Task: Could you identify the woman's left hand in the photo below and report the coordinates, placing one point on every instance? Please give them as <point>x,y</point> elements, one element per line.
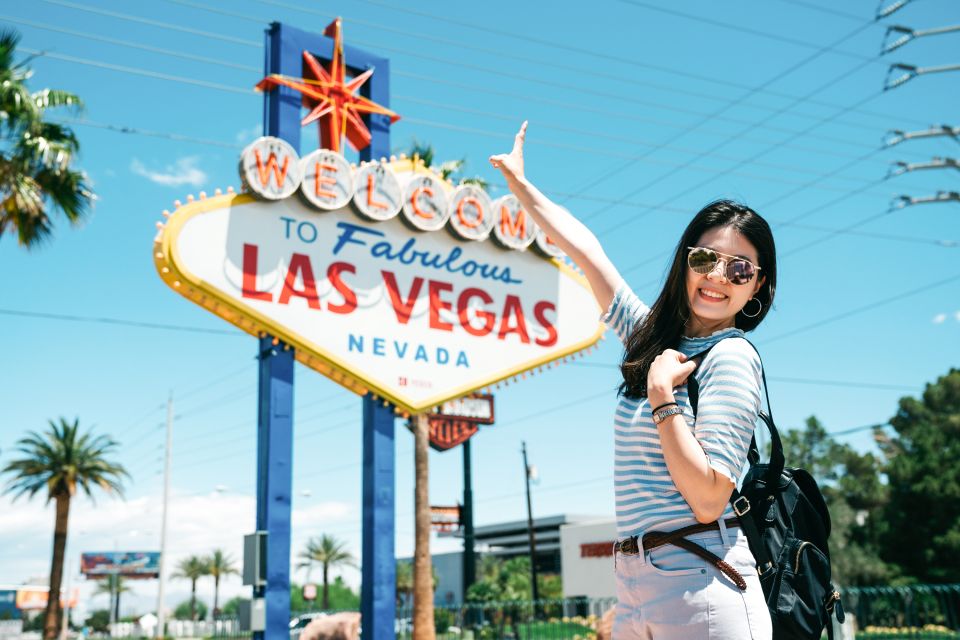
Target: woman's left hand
<point>669,369</point>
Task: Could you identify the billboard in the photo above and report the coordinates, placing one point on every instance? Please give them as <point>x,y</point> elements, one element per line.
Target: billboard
<point>35,598</point>
<point>383,277</point>
<point>129,564</point>
<point>8,604</point>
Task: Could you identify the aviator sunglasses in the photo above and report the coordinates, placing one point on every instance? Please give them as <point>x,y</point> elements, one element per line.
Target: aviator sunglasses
<point>737,270</point>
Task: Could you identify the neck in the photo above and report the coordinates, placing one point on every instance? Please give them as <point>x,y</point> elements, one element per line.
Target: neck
<point>697,328</point>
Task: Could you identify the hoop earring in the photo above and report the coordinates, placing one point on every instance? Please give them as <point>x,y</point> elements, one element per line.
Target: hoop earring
<point>759,308</point>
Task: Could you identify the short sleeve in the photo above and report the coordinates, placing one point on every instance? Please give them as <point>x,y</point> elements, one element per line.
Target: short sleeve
<point>729,404</point>
<point>624,312</point>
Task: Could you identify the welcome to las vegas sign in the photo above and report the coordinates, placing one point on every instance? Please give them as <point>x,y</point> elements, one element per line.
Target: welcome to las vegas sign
<point>383,277</point>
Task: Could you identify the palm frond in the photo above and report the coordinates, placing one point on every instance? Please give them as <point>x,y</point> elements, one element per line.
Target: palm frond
<point>62,459</point>
<point>52,98</point>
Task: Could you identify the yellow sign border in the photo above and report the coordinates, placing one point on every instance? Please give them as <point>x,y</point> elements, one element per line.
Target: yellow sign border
<point>167,261</point>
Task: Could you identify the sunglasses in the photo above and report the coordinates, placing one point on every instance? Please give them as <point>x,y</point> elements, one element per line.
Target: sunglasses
<point>737,270</point>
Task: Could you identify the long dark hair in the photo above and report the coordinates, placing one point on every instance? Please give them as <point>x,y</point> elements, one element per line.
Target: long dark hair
<point>663,326</point>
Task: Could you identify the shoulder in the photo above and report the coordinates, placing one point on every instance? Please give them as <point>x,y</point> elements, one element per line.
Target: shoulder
<point>734,352</point>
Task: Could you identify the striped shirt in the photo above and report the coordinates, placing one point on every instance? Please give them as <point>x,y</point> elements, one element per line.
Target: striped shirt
<point>729,402</point>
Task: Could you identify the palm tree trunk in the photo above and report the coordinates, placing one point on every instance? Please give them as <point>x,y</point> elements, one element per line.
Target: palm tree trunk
<point>423,626</point>
<point>116,602</point>
<point>326,589</point>
<point>52,622</point>
<point>193,599</point>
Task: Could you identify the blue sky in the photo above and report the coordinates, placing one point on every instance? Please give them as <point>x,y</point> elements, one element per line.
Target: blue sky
<point>639,114</point>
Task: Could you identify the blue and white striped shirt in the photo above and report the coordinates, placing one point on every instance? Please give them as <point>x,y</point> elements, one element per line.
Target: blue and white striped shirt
<point>729,378</point>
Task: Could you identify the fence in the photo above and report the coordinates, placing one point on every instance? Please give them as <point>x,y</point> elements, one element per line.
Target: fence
<point>927,612</point>
<point>931,612</point>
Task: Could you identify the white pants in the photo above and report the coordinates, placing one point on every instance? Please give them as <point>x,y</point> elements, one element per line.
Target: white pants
<point>668,593</point>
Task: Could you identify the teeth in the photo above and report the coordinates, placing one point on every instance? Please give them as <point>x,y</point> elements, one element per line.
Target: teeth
<point>712,294</point>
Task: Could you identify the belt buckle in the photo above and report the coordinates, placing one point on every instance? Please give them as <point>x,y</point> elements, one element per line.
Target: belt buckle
<point>628,546</point>
<point>741,510</point>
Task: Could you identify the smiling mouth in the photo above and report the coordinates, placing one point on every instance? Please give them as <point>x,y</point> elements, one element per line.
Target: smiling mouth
<point>710,295</point>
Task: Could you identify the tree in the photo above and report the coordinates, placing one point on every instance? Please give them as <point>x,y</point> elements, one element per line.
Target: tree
<point>423,620</point>
<point>404,575</point>
<point>191,609</point>
<point>99,621</point>
<point>220,564</point>
<point>113,586</point>
<point>342,597</point>
<point>193,568</point>
<point>330,553</point>
<point>36,155</point>
<point>59,462</point>
<point>922,517</point>
<point>232,606</point>
<point>448,170</point>
<point>854,492</point>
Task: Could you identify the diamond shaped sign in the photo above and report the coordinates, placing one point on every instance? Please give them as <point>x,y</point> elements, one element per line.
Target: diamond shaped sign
<point>363,294</point>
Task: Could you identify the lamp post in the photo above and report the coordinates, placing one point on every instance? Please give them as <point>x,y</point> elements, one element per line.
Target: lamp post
<point>533,538</point>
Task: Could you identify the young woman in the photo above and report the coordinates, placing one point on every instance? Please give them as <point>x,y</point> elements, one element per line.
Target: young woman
<point>673,472</point>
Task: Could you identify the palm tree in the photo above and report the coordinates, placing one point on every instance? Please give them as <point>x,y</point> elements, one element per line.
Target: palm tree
<point>448,170</point>
<point>35,154</point>
<point>330,553</point>
<point>113,586</point>
<point>220,565</point>
<point>58,462</point>
<point>193,568</point>
<point>423,624</point>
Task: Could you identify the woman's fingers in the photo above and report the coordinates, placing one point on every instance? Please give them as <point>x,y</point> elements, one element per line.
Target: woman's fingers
<point>519,138</point>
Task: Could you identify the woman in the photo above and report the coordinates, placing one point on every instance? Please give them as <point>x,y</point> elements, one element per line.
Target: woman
<point>675,471</point>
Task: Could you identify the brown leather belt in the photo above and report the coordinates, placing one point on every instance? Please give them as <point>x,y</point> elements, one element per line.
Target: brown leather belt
<point>678,538</point>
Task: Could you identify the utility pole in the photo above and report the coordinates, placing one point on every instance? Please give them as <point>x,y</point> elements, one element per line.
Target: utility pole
<point>469,555</point>
<point>161,618</point>
<point>533,537</point>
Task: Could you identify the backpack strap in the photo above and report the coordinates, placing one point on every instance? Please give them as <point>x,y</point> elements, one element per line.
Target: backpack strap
<point>741,506</point>
<point>753,454</point>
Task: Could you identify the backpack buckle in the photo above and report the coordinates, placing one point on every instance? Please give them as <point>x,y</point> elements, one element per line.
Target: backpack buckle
<point>738,508</point>
<point>767,568</point>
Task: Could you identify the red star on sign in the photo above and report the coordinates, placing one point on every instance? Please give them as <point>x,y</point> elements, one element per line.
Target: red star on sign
<point>333,101</point>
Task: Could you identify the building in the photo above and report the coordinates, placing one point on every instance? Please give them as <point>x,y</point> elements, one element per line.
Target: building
<point>578,548</point>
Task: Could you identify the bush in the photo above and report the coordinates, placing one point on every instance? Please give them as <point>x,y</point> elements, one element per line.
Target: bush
<point>442,619</point>
<point>99,620</point>
<point>182,612</point>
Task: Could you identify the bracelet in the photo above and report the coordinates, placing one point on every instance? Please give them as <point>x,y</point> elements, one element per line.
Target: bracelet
<point>663,414</point>
<point>665,404</point>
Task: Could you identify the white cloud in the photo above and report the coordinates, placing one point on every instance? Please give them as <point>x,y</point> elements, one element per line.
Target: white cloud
<point>939,318</point>
<point>183,171</point>
<point>249,134</point>
<point>196,524</point>
<point>956,314</point>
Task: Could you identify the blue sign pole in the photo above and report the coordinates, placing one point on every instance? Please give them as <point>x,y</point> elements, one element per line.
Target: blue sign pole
<point>378,606</point>
<point>274,480</point>
<point>284,55</point>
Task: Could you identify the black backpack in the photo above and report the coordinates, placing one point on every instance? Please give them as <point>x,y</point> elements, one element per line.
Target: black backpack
<point>786,521</point>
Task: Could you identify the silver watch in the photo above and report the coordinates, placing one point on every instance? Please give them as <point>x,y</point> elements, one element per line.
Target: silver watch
<point>662,414</point>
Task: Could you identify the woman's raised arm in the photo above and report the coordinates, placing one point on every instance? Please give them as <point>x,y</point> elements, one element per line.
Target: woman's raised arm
<point>571,235</point>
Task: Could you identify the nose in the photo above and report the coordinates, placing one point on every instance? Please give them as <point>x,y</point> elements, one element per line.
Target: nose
<point>719,271</point>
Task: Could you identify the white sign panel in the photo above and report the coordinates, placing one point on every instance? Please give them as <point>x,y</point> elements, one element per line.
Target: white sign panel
<point>417,317</point>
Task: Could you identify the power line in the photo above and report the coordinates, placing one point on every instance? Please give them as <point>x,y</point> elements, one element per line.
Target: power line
<point>154,23</point>
<point>139,72</point>
<point>743,97</point>
<point>117,321</point>
<point>674,197</point>
<point>809,381</point>
<point>592,150</point>
<point>748,30</point>
<point>868,307</point>
<point>221,87</point>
